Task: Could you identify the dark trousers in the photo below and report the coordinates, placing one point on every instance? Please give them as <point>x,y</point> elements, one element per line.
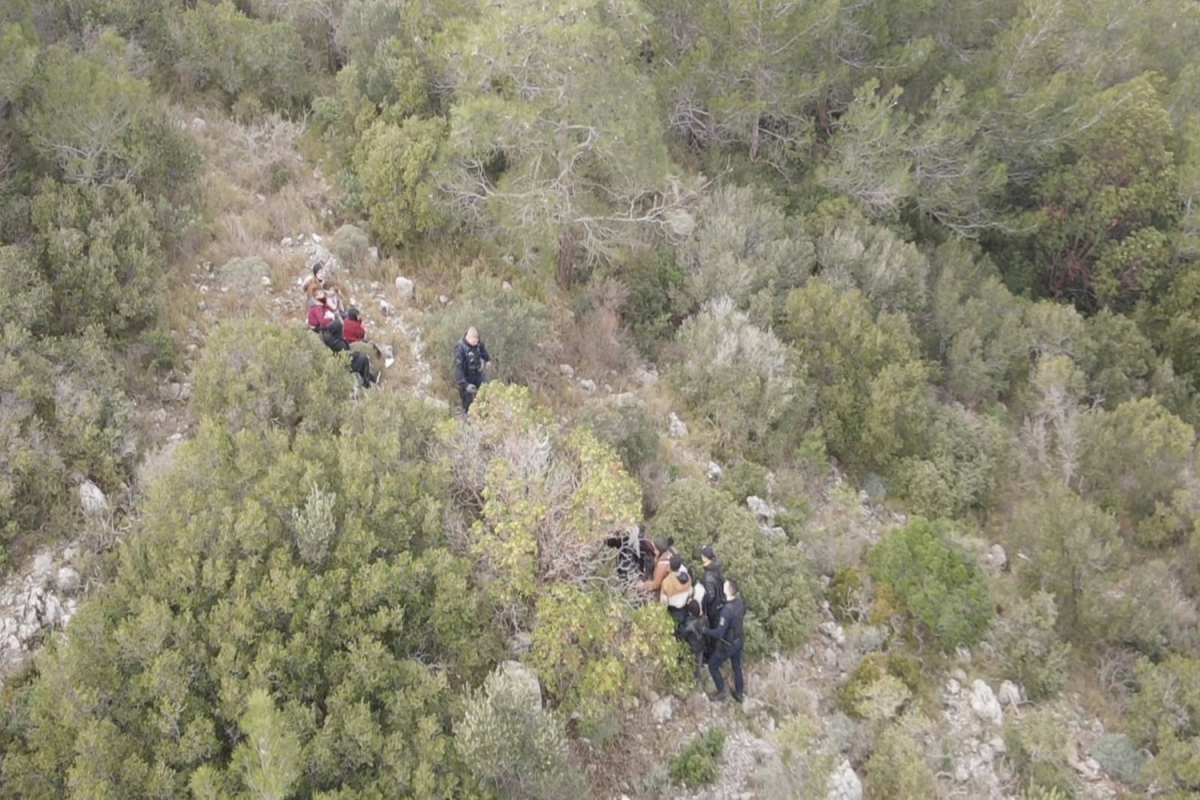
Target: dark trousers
<point>734,657</point>
<point>469,397</point>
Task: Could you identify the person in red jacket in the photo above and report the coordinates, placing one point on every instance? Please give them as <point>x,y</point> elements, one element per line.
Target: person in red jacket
<point>321,318</point>
<point>352,329</point>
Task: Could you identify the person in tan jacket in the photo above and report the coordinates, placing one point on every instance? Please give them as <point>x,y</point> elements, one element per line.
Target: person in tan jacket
<point>662,565</point>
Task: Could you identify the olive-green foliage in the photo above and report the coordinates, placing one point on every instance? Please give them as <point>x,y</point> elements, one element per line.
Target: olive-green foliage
<point>939,584</point>
<point>212,602</point>
<point>350,245</point>
<point>394,167</point>
<point>97,250</point>
<point>217,49</point>
<point>891,273</point>
<point>1135,457</point>
<point>627,429</point>
<point>743,479</point>
<point>513,745</point>
<point>257,375</point>
<point>63,416</point>
<point>745,248</point>
<point>897,767</point>
<point>1104,212</point>
<point>868,377</point>
<point>1117,756</point>
<point>656,302</point>
<point>1074,552</point>
<point>847,594</point>
<point>1038,748</point>
<point>1164,715</point>
<point>1028,646</point>
<point>879,686</point>
<point>772,575</point>
<point>740,379</point>
<point>510,324</point>
<point>1119,360</point>
<point>696,764</point>
<point>962,459</point>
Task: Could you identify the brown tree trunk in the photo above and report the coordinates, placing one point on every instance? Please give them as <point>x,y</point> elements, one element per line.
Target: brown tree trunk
<point>566,257</point>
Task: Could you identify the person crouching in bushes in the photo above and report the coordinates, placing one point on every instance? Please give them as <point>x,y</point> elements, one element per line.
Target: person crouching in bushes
<point>352,328</point>
<point>327,323</point>
<point>662,565</point>
<point>678,592</point>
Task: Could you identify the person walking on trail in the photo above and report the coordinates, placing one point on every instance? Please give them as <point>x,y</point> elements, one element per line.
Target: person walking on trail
<point>471,358</point>
<point>713,581</point>
<point>727,634</point>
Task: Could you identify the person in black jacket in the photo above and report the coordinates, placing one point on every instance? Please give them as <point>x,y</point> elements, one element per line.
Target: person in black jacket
<point>471,358</point>
<point>727,633</point>
<point>713,581</point>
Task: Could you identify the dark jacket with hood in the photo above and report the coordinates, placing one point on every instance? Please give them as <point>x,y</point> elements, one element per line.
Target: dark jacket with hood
<point>468,362</point>
<point>714,589</point>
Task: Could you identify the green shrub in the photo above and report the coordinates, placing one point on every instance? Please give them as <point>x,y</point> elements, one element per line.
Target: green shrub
<point>510,324</point>
<point>257,375</point>
<point>743,479</point>
<point>1164,715</point>
<point>939,584</point>
<point>879,686</point>
<point>350,245</point>
<point>1118,757</point>
<point>513,745</point>
<point>654,306</point>
<point>897,768</point>
<point>1038,747</point>
<point>745,385</point>
<point>847,595</point>
<point>696,764</point>
<point>627,429</point>
<point>1028,646</point>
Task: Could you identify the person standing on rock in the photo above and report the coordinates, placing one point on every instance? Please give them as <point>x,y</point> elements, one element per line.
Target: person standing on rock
<point>471,358</point>
<point>728,638</point>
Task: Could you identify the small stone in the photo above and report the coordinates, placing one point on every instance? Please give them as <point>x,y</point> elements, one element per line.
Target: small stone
<point>958,675</point>
<point>998,746</point>
<point>374,252</point>
<point>714,471</point>
<point>42,563</point>
<point>962,654</point>
<point>676,428</point>
<point>51,611</point>
<point>265,281</point>
<point>844,783</point>
<point>92,499</point>
<point>588,385</point>
<point>520,643</point>
<point>198,124</point>
<point>505,286</point>
<point>961,773</point>
<point>443,299</point>
<point>386,308</point>
<point>175,437</point>
<point>202,306</point>
<point>984,703</point>
<point>953,687</point>
<point>567,370</point>
<point>1009,694</point>
<point>833,632</point>
<point>316,238</point>
<point>996,559</point>
<point>607,388</point>
<point>663,710</point>
<point>752,705</point>
<point>1097,727</point>
<point>159,417</point>
<point>185,391</point>
<point>761,508</point>
<point>985,754</point>
<point>67,580</point>
<point>645,378</point>
<point>405,287</point>
<point>286,242</point>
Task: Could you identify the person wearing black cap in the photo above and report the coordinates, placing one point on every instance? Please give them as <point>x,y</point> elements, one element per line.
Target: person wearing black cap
<point>726,632</point>
<point>712,580</point>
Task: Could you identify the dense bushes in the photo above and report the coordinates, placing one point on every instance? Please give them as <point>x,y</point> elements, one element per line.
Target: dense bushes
<point>940,585</point>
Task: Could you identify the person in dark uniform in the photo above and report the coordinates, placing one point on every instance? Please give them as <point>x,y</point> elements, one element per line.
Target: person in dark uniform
<point>726,633</point>
<point>471,358</point>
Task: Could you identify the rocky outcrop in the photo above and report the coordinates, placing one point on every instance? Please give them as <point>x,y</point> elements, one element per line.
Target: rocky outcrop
<point>33,604</point>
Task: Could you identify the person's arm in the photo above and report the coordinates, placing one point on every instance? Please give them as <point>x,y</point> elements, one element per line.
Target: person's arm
<point>718,631</point>
<point>460,368</point>
<point>483,354</point>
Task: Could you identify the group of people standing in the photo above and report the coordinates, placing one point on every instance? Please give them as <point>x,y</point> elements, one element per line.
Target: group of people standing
<point>707,609</point>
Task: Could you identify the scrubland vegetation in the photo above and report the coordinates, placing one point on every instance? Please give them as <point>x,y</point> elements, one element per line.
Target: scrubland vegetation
<point>934,259</point>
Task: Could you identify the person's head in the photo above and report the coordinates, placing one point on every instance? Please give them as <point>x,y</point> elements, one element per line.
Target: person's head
<point>731,588</point>
<point>682,576</point>
<point>662,544</point>
<point>707,556</point>
<point>319,271</point>
<point>472,336</point>
<point>352,313</point>
<point>320,296</point>
<point>676,563</point>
